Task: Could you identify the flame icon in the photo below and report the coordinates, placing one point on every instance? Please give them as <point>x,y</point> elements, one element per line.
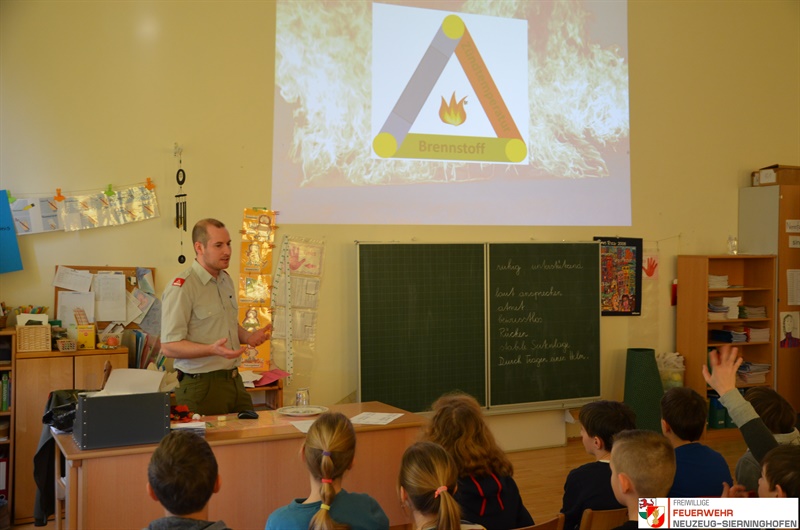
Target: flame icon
<point>454,113</point>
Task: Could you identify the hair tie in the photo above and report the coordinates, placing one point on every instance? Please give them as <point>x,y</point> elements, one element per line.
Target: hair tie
<point>324,506</point>
<point>439,491</point>
<point>327,481</point>
<point>326,453</point>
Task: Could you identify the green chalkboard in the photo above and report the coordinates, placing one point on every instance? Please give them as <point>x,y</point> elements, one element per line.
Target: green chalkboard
<point>544,322</point>
<point>422,323</point>
<point>512,324</point>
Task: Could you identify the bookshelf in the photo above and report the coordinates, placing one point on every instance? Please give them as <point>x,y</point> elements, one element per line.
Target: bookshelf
<point>7,361</point>
<point>750,277</point>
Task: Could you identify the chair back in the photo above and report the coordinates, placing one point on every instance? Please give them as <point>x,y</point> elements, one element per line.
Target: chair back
<point>603,519</point>
<point>556,523</point>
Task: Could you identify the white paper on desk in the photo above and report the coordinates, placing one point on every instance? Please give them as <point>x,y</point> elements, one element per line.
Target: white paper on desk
<point>109,297</point>
<point>24,318</point>
<point>375,418</point>
<point>131,381</point>
<point>302,425</point>
<point>69,301</point>
<point>72,279</point>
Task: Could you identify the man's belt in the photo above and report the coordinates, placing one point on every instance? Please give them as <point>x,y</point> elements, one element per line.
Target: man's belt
<point>216,374</point>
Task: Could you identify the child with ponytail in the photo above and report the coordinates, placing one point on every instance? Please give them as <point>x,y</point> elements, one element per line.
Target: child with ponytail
<point>328,453</point>
<point>428,480</point>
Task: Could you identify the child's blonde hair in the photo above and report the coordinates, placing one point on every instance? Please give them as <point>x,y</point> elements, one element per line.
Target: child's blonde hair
<point>429,477</point>
<point>329,449</point>
<point>647,458</point>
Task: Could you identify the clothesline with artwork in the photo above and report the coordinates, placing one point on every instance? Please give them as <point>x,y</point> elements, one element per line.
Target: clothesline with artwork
<point>109,207</point>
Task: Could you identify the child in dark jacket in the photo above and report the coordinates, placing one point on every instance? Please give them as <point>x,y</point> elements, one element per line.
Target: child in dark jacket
<point>589,486</point>
<point>486,490</point>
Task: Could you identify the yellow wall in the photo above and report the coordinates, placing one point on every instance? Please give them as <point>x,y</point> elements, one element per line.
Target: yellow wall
<point>97,93</point>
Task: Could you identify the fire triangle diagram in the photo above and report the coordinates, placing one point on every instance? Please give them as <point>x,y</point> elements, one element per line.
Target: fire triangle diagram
<point>394,140</point>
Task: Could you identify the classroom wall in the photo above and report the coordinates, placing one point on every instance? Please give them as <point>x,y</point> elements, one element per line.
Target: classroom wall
<point>97,93</point>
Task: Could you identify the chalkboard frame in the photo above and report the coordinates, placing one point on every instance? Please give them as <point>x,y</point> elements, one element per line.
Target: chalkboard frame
<point>492,401</point>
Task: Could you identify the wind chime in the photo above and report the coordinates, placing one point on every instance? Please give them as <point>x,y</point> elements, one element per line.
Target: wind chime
<point>180,199</point>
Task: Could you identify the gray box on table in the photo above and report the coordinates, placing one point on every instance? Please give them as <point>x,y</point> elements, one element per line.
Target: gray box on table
<point>114,421</point>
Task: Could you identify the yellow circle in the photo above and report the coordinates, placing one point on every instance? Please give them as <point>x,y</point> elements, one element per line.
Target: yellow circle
<point>385,145</point>
<point>453,27</point>
<point>516,150</point>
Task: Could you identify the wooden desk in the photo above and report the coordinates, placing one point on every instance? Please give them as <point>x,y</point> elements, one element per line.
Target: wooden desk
<point>259,465</point>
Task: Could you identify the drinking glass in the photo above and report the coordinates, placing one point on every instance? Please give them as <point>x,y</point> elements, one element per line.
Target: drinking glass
<point>301,398</point>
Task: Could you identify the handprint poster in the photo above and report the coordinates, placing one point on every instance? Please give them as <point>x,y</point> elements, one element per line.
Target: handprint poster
<point>621,276</point>
<point>305,257</point>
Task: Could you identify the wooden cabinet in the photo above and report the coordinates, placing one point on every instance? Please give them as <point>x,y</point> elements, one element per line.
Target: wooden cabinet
<point>7,362</point>
<point>38,373</point>
<point>769,223</point>
<point>752,278</point>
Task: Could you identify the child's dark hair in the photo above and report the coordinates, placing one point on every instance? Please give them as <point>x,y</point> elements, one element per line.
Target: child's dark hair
<point>777,414</point>
<point>604,419</point>
<point>782,468</point>
<point>182,472</point>
<point>686,413</point>
<point>329,450</point>
<point>429,476</point>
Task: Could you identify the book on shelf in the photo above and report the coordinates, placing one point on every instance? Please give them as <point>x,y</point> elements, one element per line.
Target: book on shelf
<point>726,335</point>
<point>753,372</point>
<point>717,281</point>
<point>4,393</point>
<point>754,377</point>
<point>751,334</point>
<point>749,311</point>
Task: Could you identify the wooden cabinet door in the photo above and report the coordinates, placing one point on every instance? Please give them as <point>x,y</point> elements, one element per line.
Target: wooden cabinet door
<point>33,379</point>
<point>89,368</point>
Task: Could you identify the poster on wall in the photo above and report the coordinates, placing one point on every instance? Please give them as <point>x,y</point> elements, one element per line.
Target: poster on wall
<point>10,260</point>
<point>621,276</point>
<point>789,323</point>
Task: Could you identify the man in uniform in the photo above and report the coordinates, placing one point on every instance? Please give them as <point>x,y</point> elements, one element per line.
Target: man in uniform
<point>200,329</point>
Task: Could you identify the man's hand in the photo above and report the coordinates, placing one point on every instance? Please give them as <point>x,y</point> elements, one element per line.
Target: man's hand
<point>260,336</point>
<point>219,348</point>
<point>724,361</point>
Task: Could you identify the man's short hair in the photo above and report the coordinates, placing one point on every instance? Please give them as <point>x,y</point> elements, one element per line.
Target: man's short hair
<point>604,419</point>
<point>782,468</point>
<point>200,230</point>
<point>777,413</point>
<point>183,472</point>
<point>685,411</point>
<point>647,458</point>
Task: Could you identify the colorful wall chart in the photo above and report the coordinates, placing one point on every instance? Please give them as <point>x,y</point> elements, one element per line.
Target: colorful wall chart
<point>258,234</point>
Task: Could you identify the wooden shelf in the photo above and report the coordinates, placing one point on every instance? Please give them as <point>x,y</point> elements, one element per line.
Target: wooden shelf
<point>749,274</point>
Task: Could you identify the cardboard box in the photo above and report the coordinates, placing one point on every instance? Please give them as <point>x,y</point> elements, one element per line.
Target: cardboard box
<point>776,174</point>
<point>86,337</point>
<point>114,421</point>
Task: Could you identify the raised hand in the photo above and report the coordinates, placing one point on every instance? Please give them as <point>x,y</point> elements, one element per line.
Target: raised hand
<point>723,363</point>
